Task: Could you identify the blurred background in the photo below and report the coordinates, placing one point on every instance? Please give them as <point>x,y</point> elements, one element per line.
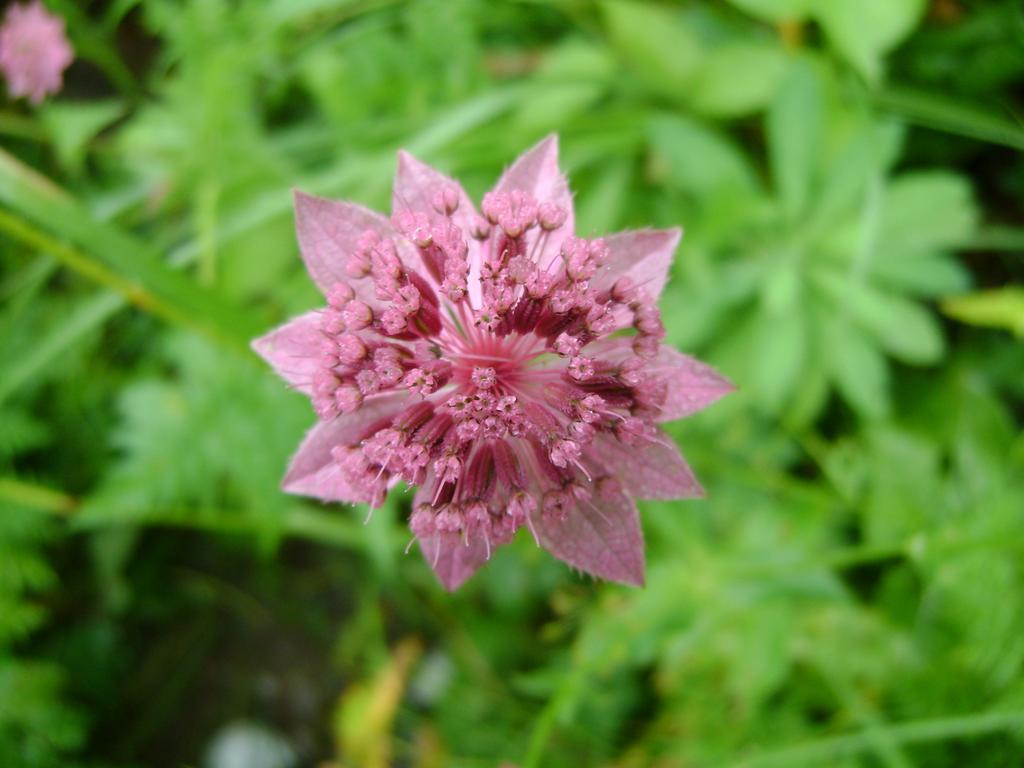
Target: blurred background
<point>849,594</point>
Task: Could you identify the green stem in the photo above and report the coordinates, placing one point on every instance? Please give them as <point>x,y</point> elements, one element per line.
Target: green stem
<point>34,496</point>
<point>21,127</point>
<point>48,217</point>
<point>951,115</point>
<point>996,239</point>
<point>545,722</point>
<point>91,269</point>
<point>831,750</point>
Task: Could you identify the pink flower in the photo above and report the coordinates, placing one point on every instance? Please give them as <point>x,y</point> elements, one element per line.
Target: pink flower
<point>34,51</point>
<point>511,371</point>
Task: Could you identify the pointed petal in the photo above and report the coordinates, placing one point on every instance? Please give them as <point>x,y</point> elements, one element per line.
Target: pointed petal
<point>328,232</point>
<point>655,470</point>
<point>313,472</point>
<point>452,559</point>
<point>293,349</point>
<point>691,384</point>
<point>601,537</point>
<point>643,255</point>
<point>536,171</point>
<point>416,184</point>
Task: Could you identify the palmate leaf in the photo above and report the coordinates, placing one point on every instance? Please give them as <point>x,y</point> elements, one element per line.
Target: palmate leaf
<point>859,245</point>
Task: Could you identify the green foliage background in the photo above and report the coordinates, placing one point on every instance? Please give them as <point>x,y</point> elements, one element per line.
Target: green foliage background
<point>851,593</point>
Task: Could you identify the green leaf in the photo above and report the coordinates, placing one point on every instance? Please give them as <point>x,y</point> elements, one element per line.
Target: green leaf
<point>73,125</point>
<point>858,369</point>
<point>925,276</point>
<point>779,356</point>
<point>903,328</point>
<point>863,30</point>
<point>869,151</point>
<point>794,128</point>
<point>774,10</point>
<point>926,211</point>
<point>700,160</point>
<point>998,308</point>
<point>737,79</point>
<point>655,42</point>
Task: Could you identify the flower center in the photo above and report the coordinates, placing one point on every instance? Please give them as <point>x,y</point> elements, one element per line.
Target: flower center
<point>501,363</point>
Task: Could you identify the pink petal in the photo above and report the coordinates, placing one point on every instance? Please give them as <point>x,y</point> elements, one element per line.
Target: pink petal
<point>601,536</point>
<point>536,171</point>
<point>293,350</point>
<point>452,559</point>
<point>644,256</point>
<point>313,472</point>
<point>692,385</point>
<point>654,470</point>
<point>328,232</point>
<point>416,184</point>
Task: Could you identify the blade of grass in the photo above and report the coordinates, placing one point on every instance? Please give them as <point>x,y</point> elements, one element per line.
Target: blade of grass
<point>950,115</point>
<point>112,257</point>
<point>15,491</point>
<point>828,751</point>
<point>87,316</point>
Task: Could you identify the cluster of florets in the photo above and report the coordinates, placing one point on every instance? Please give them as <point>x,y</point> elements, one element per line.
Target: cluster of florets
<point>34,51</point>
<point>470,435</point>
<point>509,369</point>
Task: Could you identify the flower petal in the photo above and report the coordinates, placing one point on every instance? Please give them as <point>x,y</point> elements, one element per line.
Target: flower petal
<point>643,255</point>
<point>293,350</point>
<point>452,559</point>
<point>313,472</point>
<point>328,233</point>
<point>691,384</point>
<point>416,184</point>
<point>654,470</point>
<point>536,171</point>
<point>601,536</point>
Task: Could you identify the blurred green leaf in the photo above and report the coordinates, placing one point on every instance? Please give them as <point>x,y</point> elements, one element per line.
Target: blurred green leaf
<point>700,160</point>
<point>862,30</point>
<point>775,10</point>
<point>73,126</point>
<point>903,328</point>
<point>997,308</point>
<point>780,356</point>
<point>655,42</point>
<point>737,79</point>
<point>794,128</point>
<point>926,211</point>
<point>858,369</point>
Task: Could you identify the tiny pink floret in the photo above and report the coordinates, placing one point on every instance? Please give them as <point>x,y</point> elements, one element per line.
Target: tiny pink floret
<point>34,51</point>
<point>512,372</point>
